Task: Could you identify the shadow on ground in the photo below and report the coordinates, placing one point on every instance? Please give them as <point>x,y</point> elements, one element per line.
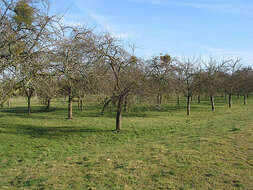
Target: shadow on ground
<point>47,132</point>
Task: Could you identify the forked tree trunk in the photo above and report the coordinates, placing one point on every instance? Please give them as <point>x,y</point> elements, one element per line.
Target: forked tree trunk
<point>245,99</point>
<point>188,104</point>
<point>29,104</point>
<point>119,114</point>
<point>70,107</point>
<point>107,102</point>
<point>230,100</point>
<point>212,102</point>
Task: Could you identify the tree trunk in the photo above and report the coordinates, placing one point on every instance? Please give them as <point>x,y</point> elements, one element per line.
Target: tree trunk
<point>107,102</point>
<point>245,99</point>
<point>212,102</point>
<point>178,100</point>
<point>81,105</point>
<point>158,99</point>
<point>119,114</point>
<point>188,104</point>
<point>125,105</point>
<point>48,103</point>
<point>9,103</point>
<point>238,96</point>
<point>230,100</point>
<point>78,102</point>
<point>198,99</point>
<point>29,105</point>
<point>70,107</point>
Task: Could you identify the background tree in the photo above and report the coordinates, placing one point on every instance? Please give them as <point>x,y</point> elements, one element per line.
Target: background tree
<point>231,82</point>
<point>160,70</point>
<point>212,78</point>
<point>73,52</point>
<point>245,78</point>
<point>47,89</point>
<point>185,71</point>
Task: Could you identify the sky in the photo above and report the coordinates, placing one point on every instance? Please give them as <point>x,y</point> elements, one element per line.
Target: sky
<point>180,28</point>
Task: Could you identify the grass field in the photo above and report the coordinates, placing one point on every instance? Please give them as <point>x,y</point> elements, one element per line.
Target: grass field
<point>157,149</point>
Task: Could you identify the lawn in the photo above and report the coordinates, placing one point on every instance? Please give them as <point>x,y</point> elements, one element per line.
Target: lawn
<point>156,149</point>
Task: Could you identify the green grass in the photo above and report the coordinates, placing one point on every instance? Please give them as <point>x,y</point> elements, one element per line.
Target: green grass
<point>157,149</point>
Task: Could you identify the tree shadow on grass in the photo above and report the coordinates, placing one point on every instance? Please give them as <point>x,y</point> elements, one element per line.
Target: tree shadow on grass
<point>94,111</point>
<point>35,109</point>
<point>48,132</point>
<point>38,112</point>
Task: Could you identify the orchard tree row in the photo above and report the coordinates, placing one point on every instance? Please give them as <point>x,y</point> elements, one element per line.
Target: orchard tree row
<point>41,55</point>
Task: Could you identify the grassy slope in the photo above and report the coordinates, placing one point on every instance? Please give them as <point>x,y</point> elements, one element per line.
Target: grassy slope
<point>156,149</point>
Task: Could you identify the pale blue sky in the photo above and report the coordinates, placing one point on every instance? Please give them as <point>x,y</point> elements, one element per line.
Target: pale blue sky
<point>222,28</point>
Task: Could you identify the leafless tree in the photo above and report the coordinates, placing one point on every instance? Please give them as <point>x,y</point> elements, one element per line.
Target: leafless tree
<point>123,73</point>
<point>73,53</point>
<point>185,70</point>
<point>231,82</point>
<point>213,78</point>
<point>159,75</point>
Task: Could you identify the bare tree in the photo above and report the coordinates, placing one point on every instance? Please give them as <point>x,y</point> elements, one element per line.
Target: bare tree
<point>73,52</point>
<point>231,82</point>
<point>185,71</point>
<point>123,73</point>
<point>213,78</point>
<point>159,75</point>
<point>245,78</point>
<point>47,89</point>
